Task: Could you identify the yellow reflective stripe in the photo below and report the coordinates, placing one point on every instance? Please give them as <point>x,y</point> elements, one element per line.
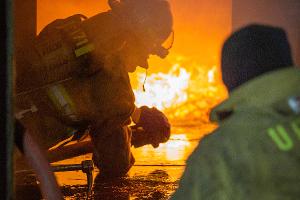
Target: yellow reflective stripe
<point>61,99</point>
<point>280,136</point>
<point>59,95</point>
<point>53,98</point>
<point>82,42</point>
<point>81,35</point>
<point>84,49</point>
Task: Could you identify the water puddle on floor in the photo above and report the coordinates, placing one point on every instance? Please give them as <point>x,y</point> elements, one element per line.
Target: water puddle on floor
<point>155,174</point>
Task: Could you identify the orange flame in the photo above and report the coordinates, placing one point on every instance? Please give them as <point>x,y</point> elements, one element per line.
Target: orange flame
<point>183,92</point>
<point>164,90</point>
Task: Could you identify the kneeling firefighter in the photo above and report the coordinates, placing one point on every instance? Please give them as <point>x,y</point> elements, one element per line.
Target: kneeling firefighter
<point>75,78</point>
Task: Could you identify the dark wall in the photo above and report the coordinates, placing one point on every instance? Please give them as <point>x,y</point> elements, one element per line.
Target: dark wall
<point>17,25</point>
<point>25,21</point>
<point>283,13</point>
<point>6,133</point>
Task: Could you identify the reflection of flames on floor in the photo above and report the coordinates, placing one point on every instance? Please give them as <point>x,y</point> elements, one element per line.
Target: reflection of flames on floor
<point>183,94</point>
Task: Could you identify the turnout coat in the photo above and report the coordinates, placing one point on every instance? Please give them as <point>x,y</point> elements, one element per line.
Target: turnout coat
<point>254,154</point>
<point>54,107</point>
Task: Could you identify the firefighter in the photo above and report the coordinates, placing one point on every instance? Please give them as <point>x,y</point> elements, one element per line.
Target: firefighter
<point>75,78</point>
<point>254,152</point>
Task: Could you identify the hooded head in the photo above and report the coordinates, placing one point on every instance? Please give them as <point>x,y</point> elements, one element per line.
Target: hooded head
<point>149,23</point>
<point>254,50</point>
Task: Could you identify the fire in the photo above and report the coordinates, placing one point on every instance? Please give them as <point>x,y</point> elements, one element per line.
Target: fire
<point>164,90</point>
<point>187,89</point>
<point>182,92</point>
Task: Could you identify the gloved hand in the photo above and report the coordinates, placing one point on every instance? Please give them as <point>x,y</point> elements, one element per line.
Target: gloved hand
<point>153,128</point>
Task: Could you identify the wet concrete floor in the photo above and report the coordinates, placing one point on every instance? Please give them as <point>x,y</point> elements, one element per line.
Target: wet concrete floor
<point>155,174</point>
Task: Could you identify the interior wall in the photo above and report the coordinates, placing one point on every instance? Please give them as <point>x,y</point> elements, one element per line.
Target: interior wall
<point>25,24</point>
<point>282,13</point>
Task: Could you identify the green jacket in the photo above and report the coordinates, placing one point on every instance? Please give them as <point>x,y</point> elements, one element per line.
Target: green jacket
<point>255,152</point>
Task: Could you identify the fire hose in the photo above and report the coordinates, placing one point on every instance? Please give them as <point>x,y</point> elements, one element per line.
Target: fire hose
<point>39,163</point>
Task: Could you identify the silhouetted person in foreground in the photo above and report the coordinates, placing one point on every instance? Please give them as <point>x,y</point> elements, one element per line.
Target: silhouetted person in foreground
<point>36,158</point>
<point>254,154</point>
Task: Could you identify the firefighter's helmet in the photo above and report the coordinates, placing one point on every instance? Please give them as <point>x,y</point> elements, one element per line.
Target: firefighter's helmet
<point>151,20</point>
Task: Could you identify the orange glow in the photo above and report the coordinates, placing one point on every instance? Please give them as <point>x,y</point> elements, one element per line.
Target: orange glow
<point>164,90</point>
<point>187,83</point>
<point>176,149</point>
<point>187,91</point>
<point>49,10</point>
